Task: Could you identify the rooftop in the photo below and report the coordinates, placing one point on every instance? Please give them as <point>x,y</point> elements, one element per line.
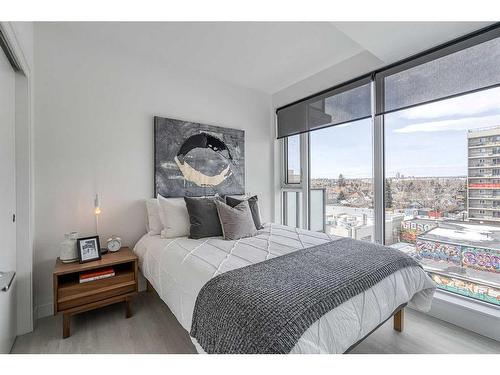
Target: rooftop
<point>475,130</point>
<point>424,221</point>
<point>483,132</point>
<point>465,233</point>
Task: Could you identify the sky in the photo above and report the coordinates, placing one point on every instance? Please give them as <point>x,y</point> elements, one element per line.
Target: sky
<point>428,140</point>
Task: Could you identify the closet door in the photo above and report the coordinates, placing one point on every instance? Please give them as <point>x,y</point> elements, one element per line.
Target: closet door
<point>7,203</point>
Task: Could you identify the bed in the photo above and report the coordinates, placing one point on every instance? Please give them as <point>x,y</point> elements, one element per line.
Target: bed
<point>178,268</point>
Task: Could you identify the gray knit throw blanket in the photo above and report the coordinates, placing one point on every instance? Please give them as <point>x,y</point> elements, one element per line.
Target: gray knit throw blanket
<point>267,306</point>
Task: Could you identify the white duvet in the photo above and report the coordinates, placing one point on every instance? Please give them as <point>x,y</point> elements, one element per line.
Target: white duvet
<point>179,267</point>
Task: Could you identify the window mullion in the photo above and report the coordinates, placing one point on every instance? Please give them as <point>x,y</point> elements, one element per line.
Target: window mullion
<point>304,173</point>
<point>378,169</point>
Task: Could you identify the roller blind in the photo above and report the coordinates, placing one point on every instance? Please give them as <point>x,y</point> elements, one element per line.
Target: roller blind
<point>459,68</point>
<point>346,103</point>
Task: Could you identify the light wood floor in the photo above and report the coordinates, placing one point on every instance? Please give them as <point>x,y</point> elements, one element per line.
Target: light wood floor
<point>154,329</point>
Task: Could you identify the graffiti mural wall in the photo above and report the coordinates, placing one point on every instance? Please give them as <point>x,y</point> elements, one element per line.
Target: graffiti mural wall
<point>467,288</point>
<point>481,259</point>
<point>439,251</point>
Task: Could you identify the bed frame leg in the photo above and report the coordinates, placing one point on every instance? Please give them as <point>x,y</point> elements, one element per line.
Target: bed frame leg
<point>149,287</point>
<point>399,318</point>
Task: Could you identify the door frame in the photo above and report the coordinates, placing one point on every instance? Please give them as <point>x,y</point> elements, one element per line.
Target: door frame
<point>24,176</point>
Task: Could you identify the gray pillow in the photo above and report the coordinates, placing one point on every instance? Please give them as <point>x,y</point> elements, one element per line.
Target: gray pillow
<point>203,217</point>
<point>237,221</point>
<point>254,207</point>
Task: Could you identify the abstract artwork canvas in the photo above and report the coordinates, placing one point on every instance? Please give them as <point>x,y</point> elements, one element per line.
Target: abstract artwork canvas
<point>193,159</point>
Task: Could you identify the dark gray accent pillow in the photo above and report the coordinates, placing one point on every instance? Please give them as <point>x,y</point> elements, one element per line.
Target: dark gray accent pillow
<point>254,207</point>
<point>203,217</point>
<point>237,221</point>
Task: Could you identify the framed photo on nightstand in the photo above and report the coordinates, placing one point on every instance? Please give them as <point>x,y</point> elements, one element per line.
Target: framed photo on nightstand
<point>89,249</point>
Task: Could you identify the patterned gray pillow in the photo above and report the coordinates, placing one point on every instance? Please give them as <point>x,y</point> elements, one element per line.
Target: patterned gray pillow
<point>237,221</point>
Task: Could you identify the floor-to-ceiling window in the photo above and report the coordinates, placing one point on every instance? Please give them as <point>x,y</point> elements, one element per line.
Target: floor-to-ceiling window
<point>441,117</point>
<point>443,181</point>
<point>409,157</point>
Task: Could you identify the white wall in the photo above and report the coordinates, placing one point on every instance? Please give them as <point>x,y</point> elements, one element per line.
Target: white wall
<point>94,113</point>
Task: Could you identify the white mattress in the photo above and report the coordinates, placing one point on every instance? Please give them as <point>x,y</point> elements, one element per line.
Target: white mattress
<point>178,268</point>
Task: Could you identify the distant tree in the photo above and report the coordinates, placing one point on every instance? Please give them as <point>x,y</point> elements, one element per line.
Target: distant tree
<point>341,196</point>
<point>388,195</point>
<point>341,180</point>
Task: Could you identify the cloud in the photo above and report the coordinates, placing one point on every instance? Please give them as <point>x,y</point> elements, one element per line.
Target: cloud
<point>466,105</point>
<point>452,125</point>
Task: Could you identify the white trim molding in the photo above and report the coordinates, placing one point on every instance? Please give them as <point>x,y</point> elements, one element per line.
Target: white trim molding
<point>42,311</point>
<point>478,317</point>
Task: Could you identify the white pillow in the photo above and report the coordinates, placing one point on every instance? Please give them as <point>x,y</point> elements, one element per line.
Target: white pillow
<point>155,225</point>
<point>174,217</point>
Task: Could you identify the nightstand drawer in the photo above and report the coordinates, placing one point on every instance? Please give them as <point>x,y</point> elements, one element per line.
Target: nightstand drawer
<point>95,294</point>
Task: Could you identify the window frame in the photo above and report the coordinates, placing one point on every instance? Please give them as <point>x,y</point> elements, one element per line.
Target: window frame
<point>298,210</point>
<point>285,180</point>
<point>302,186</point>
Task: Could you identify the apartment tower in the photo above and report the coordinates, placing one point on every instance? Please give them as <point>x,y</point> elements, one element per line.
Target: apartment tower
<point>483,177</point>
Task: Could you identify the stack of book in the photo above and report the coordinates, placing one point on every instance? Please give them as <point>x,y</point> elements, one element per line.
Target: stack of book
<point>99,274</point>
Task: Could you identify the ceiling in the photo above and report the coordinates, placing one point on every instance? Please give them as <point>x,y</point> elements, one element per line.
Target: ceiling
<point>268,56</point>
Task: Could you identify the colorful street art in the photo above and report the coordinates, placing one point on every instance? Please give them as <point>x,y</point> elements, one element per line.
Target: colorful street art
<point>409,235</point>
<point>410,230</point>
<point>439,251</point>
<point>467,288</point>
<point>481,259</point>
<point>463,256</point>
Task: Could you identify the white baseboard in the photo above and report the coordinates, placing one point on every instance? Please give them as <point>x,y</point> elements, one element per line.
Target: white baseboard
<point>478,317</point>
<point>42,311</point>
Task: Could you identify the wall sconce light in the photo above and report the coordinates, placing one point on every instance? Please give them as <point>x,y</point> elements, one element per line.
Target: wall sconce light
<point>97,212</point>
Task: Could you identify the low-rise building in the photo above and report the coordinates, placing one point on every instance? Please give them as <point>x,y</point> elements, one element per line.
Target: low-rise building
<point>358,223</point>
<point>412,228</point>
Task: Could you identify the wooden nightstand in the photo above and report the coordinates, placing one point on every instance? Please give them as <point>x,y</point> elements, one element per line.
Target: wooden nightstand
<point>71,297</point>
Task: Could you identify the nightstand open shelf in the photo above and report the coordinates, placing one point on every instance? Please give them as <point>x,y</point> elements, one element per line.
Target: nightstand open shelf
<point>72,297</point>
